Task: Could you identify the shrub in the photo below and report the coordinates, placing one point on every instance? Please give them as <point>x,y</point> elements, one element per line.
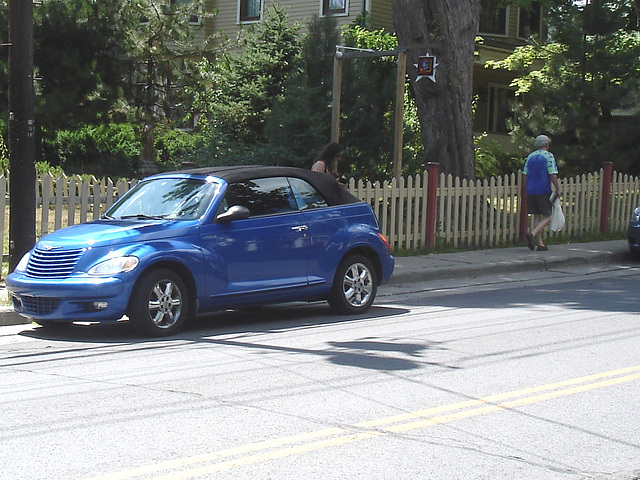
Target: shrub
<point>100,150</point>
<point>176,147</point>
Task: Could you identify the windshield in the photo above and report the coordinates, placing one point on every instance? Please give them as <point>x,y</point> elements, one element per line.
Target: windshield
<point>166,198</point>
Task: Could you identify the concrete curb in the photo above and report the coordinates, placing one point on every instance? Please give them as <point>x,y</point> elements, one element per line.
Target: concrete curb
<point>421,271</point>
<point>9,317</point>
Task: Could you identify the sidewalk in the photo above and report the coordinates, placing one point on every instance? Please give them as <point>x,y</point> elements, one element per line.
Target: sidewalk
<point>469,264</point>
<point>505,260</point>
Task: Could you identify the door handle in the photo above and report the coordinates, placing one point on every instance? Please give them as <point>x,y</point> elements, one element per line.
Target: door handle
<point>300,228</point>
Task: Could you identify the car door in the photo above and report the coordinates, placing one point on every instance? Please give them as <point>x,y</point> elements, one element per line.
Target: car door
<point>323,223</point>
<point>265,256</point>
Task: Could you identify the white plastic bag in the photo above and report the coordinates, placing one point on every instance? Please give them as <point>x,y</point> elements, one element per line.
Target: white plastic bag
<point>557,216</point>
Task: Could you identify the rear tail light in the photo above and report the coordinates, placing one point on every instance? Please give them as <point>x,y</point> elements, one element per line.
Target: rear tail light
<point>385,241</point>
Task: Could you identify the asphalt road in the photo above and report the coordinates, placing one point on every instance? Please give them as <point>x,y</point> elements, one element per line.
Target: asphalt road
<point>525,376</point>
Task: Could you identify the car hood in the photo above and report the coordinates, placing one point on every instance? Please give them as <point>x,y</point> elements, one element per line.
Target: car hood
<point>114,232</point>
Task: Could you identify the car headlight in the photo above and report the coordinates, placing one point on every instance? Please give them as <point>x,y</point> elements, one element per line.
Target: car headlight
<point>115,265</point>
<point>635,216</point>
<point>22,264</point>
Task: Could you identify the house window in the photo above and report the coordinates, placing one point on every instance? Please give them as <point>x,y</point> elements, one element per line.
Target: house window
<point>499,110</point>
<point>493,17</point>
<point>250,10</point>
<point>334,7</point>
<point>529,20</point>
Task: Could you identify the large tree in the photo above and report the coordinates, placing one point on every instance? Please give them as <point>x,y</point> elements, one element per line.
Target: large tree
<point>165,53</point>
<point>80,58</point>
<point>446,29</point>
<point>236,91</point>
<point>577,87</point>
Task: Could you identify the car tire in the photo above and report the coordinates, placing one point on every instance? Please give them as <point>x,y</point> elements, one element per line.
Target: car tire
<point>159,304</point>
<point>354,286</point>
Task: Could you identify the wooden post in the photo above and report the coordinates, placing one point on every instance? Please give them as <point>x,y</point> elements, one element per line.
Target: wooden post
<point>399,115</point>
<point>605,198</point>
<point>522,206</point>
<point>432,199</point>
<point>335,106</point>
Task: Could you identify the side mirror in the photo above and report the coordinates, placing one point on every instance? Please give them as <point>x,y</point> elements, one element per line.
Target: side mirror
<point>236,212</point>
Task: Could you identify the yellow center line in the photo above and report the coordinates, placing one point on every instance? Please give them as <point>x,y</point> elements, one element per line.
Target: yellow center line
<point>321,439</point>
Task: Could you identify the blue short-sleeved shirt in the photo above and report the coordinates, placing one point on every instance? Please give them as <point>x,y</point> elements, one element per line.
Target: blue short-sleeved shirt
<point>538,166</point>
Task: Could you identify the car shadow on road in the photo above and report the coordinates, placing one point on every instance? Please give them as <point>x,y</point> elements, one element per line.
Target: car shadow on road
<point>242,328</point>
<point>248,320</point>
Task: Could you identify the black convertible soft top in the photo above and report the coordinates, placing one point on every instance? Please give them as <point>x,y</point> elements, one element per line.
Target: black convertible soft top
<point>332,191</point>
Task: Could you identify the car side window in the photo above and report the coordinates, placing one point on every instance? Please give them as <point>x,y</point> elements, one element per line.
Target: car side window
<point>307,197</point>
<point>262,196</point>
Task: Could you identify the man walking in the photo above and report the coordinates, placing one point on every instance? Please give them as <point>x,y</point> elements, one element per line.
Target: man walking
<point>539,172</point>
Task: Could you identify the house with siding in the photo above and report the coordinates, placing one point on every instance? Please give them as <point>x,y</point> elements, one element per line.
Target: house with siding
<point>502,27</point>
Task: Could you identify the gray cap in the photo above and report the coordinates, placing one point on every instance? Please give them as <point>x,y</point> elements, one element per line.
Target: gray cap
<point>541,141</point>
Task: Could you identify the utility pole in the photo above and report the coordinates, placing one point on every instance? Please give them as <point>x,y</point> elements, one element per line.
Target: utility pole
<point>22,179</point>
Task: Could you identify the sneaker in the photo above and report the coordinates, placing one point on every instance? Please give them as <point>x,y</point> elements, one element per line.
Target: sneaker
<point>530,241</point>
<point>542,248</point>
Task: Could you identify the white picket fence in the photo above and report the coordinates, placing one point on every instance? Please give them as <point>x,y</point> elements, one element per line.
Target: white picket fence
<point>469,214</point>
<point>486,213</point>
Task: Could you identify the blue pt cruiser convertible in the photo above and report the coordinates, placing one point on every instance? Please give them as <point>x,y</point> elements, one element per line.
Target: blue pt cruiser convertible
<point>189,242</point>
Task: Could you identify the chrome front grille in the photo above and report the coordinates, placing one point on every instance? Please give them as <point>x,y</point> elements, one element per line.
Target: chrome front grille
<point>53,263</point>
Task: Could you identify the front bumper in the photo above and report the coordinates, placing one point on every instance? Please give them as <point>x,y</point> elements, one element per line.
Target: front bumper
<point>79,298</point>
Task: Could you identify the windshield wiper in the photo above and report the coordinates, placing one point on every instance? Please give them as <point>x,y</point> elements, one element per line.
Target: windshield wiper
<point>142,216</point>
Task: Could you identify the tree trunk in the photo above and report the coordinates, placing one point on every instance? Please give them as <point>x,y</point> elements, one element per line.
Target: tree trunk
<point>444,107</point>
<point>148,164</point>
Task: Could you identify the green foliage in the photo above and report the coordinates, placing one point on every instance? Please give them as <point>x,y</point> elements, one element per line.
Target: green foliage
<point>317,57</point>
<point>177,147</point>
<point>300,124</point>
<point>102,150</point>
<point>368,100</point>
<point>492,160</point>
<point>42,168</point>
<point>297,127</point>
<point>413,150</point>
<point>236,93</point>
<point>109,61</point>
<point>300,121</point>
<point>164,55</point>
<point>377,40</point>
<point>573,86</point>
<point>4,153</point>
<point>80,55</point>
<point>368,105</point>
<point>289,124</point>
<point>214,149</point>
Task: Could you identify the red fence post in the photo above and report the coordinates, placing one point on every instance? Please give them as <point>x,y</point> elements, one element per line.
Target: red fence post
<point>605,198</point>
<point>432,199</point>
<point>524,214</point>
